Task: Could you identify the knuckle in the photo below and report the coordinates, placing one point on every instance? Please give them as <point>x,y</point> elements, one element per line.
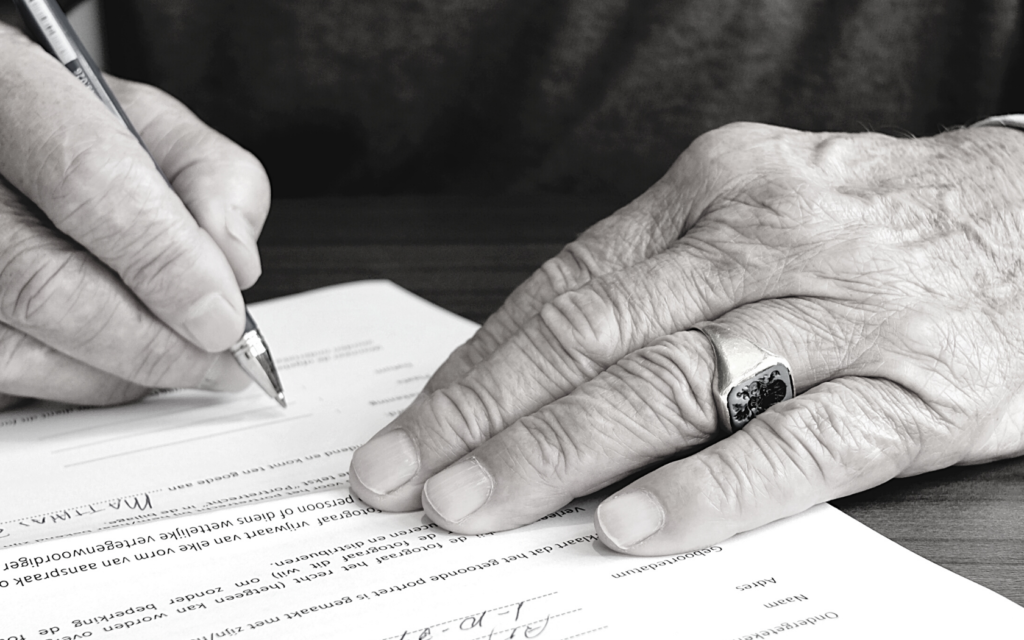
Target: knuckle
<point>832,151</point>
<point>160,360</point>
<point>142,101</point>
<point>43,292</point>
<point>117,391</point>
<point>38,286</point>
<point>725,485</point>
<point>483,343</point>
<point>464,416</point>
<point>838,439</point>
<point>735,135</point>
<point>259,185</point>
<point>27,368</point>
<point>595,254</point>
<point>900,428</point>
<point>115,205</point>
<point>95,175</point>
<point>542,449</point>
<point>153,266</point>
<point>836,153</point>
<point>943,350</point>
<point>806,438</point>
<point>147,97</point>
<point>573,267</point>
<point>876,427</point>
<point>13,358</point>
<point>673,378</point>
<point>487,339</point>
<point>584,327</point>
<point>728,272</point>
<point>462,360</point>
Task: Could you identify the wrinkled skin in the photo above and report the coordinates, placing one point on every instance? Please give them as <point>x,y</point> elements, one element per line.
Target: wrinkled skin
<point>112,282</point>
<point>887,271</point>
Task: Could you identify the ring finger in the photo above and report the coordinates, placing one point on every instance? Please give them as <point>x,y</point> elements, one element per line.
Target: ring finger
<point>654,404</point>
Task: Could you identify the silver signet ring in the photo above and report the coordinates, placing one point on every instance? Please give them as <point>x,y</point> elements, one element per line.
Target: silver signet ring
<point>747,379</point>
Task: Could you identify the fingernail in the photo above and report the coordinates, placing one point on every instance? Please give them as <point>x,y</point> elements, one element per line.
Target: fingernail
<point>386,463</point>
<point>630,518</point>
<point>459,490</point>
<point>211,323</point>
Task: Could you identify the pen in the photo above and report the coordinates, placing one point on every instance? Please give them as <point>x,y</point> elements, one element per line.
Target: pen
<point>48,25</point>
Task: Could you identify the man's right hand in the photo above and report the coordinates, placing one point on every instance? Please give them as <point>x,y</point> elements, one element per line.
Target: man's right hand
<point>112,282</point>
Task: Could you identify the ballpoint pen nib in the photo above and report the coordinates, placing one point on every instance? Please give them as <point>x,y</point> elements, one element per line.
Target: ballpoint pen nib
<point>252,354</point>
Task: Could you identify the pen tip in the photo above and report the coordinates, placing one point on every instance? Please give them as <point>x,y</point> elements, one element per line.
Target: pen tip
<point>281,401</point>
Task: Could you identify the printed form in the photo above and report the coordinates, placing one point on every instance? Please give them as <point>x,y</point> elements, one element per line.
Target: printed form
<point>267,542</point>
<point>350,359</point>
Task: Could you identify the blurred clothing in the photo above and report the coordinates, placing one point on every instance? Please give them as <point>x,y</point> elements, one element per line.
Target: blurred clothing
<point>573,96</point>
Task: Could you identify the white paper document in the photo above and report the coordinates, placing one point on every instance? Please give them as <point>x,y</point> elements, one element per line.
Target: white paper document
<point>324,566</point>
<point>268,542</point>
<point>350,358</point>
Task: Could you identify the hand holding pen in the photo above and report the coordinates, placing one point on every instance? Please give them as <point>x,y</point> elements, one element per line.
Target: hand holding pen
<point>112,281</point>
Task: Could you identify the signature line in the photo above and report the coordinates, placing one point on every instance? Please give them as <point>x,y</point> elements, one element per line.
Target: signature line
<point>171,444</point>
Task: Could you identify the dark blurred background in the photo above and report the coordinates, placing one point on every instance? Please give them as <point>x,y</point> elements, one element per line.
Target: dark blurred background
<point>578,97</point>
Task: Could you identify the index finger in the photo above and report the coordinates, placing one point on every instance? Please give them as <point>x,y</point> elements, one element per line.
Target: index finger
<point>95,182</point>
<point>225,187</point>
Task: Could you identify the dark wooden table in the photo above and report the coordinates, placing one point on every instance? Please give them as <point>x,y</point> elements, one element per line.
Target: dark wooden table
<point>468,254</point>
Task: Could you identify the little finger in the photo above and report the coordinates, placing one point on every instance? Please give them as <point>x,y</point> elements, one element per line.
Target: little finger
<point>30,369</point>
<point>839,438</point>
